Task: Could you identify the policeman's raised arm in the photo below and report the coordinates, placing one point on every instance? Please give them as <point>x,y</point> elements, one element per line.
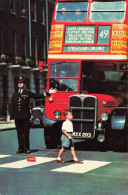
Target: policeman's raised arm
<point>44,95</point>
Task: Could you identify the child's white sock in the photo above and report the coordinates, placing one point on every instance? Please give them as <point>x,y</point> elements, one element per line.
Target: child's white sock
<point>75,158</point>
<point>58,158</point>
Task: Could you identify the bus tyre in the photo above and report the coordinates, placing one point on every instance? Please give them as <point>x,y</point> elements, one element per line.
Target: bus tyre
<point>51,139</point>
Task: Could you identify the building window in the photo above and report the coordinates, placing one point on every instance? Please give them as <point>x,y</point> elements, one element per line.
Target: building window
<point>34,50</point>
<point>1,40</point>
<point>43,50</point>
<point>33,10</point>
<point>23,8</point>
<point>13,6</point>
<point>14,43</point>
<point>23,42</point>
<point>43,14</point>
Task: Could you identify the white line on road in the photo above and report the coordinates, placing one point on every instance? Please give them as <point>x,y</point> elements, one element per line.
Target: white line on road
<point>24,163</point>
<point>87,166</point>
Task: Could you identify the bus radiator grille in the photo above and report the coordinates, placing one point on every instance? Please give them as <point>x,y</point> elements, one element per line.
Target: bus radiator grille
<point>84,113</point>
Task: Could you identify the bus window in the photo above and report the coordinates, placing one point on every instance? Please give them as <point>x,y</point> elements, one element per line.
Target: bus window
<point>71,11</point>
<point>64,84</point>
<point>64,76</point>
<point>113,82</point>
<point>64,70</point>
<point>113,76</point>
<point>124,77</point>
<point>108,11</point>
<point>96,79</point>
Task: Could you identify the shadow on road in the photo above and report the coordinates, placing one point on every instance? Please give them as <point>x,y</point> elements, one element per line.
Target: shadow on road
<point>92,146</point>
<point>102,147</point>
<point>34,150</point>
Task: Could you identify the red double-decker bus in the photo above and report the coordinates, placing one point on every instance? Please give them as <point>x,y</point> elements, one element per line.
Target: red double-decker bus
<point>88,65</point>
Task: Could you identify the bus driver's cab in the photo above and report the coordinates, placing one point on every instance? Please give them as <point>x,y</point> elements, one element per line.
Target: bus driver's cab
<point>87,77</point>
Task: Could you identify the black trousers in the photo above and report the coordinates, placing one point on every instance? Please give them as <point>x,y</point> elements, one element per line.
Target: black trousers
<point>23,131</point>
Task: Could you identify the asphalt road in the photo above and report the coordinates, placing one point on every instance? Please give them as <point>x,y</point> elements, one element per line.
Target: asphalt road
<point>103,173</point>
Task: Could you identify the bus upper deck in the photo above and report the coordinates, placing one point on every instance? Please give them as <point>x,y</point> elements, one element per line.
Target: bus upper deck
<point>92,30</point>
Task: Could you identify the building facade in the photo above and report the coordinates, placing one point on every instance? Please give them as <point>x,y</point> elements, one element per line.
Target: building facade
<point>24,33</point>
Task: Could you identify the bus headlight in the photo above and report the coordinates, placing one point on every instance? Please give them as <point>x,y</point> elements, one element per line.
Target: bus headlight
<point>50,99</point>
<point>57,114</point>
<point>104,117</point>
<point>101,138</point>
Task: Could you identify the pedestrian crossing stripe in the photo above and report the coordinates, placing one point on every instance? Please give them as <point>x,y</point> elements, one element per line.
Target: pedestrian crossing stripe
<point>3,156</point>
<point>87,166</point>
<point>24,163</point>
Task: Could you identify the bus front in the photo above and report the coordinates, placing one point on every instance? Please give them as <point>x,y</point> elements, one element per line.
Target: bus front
<point>88,43</point>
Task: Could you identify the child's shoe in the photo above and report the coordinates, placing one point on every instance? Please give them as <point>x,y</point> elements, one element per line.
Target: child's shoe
<point>60,161</point>
<point>78,161</point>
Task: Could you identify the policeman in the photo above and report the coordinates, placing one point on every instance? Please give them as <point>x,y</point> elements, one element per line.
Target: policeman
<point>20,112</point>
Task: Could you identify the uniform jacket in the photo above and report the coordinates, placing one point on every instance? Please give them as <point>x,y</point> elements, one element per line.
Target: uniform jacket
<point>20,104</point>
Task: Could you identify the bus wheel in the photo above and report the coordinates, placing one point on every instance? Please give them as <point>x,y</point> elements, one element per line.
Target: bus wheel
<point>52,139</point>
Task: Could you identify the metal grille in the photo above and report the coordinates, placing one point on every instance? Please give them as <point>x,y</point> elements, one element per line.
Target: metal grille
<point>84,113</point>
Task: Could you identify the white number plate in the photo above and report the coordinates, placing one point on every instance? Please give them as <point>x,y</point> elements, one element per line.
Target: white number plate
<point>83,135</point>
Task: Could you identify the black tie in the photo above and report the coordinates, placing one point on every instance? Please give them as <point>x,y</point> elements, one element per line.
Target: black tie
<point>20,91</point>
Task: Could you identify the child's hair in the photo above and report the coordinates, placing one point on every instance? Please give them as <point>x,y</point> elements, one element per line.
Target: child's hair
<point>65,113</point>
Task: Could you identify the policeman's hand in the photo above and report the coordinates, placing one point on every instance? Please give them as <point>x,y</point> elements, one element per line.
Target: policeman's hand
<point>52,90</point>
<point>12,121</point>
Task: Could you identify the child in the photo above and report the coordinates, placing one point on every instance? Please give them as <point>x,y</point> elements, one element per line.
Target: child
<point>66,138</point>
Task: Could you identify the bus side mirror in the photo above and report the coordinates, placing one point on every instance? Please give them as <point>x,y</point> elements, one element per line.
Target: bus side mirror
<point>41,64</point>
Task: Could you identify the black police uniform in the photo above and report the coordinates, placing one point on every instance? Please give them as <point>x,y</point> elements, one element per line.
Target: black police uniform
<point>20,111</point>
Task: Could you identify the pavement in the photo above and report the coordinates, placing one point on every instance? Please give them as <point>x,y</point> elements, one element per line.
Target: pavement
<point>6,126</point>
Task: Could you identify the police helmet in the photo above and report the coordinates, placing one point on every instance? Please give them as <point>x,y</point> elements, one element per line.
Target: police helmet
<point>21,79</point>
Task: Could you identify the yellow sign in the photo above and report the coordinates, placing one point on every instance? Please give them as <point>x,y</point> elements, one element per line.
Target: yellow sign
<point>119,38</point>
<point>56,38</point>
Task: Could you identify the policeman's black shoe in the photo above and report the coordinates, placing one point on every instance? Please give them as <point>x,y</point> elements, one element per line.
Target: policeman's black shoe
<point>27,151</point>
<point>20,151</point>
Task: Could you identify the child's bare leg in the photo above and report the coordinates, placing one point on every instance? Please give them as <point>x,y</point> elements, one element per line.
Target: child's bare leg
<point>60,152</point>
<point>59,160</point>
<point>73,153</point>
<point>74,156</point>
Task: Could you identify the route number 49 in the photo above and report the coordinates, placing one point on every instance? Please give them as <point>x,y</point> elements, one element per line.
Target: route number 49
<point>104,34</point>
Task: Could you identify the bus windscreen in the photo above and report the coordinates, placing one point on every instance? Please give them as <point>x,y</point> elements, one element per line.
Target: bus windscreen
<point>64,76</point>
<point>64,70</point>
